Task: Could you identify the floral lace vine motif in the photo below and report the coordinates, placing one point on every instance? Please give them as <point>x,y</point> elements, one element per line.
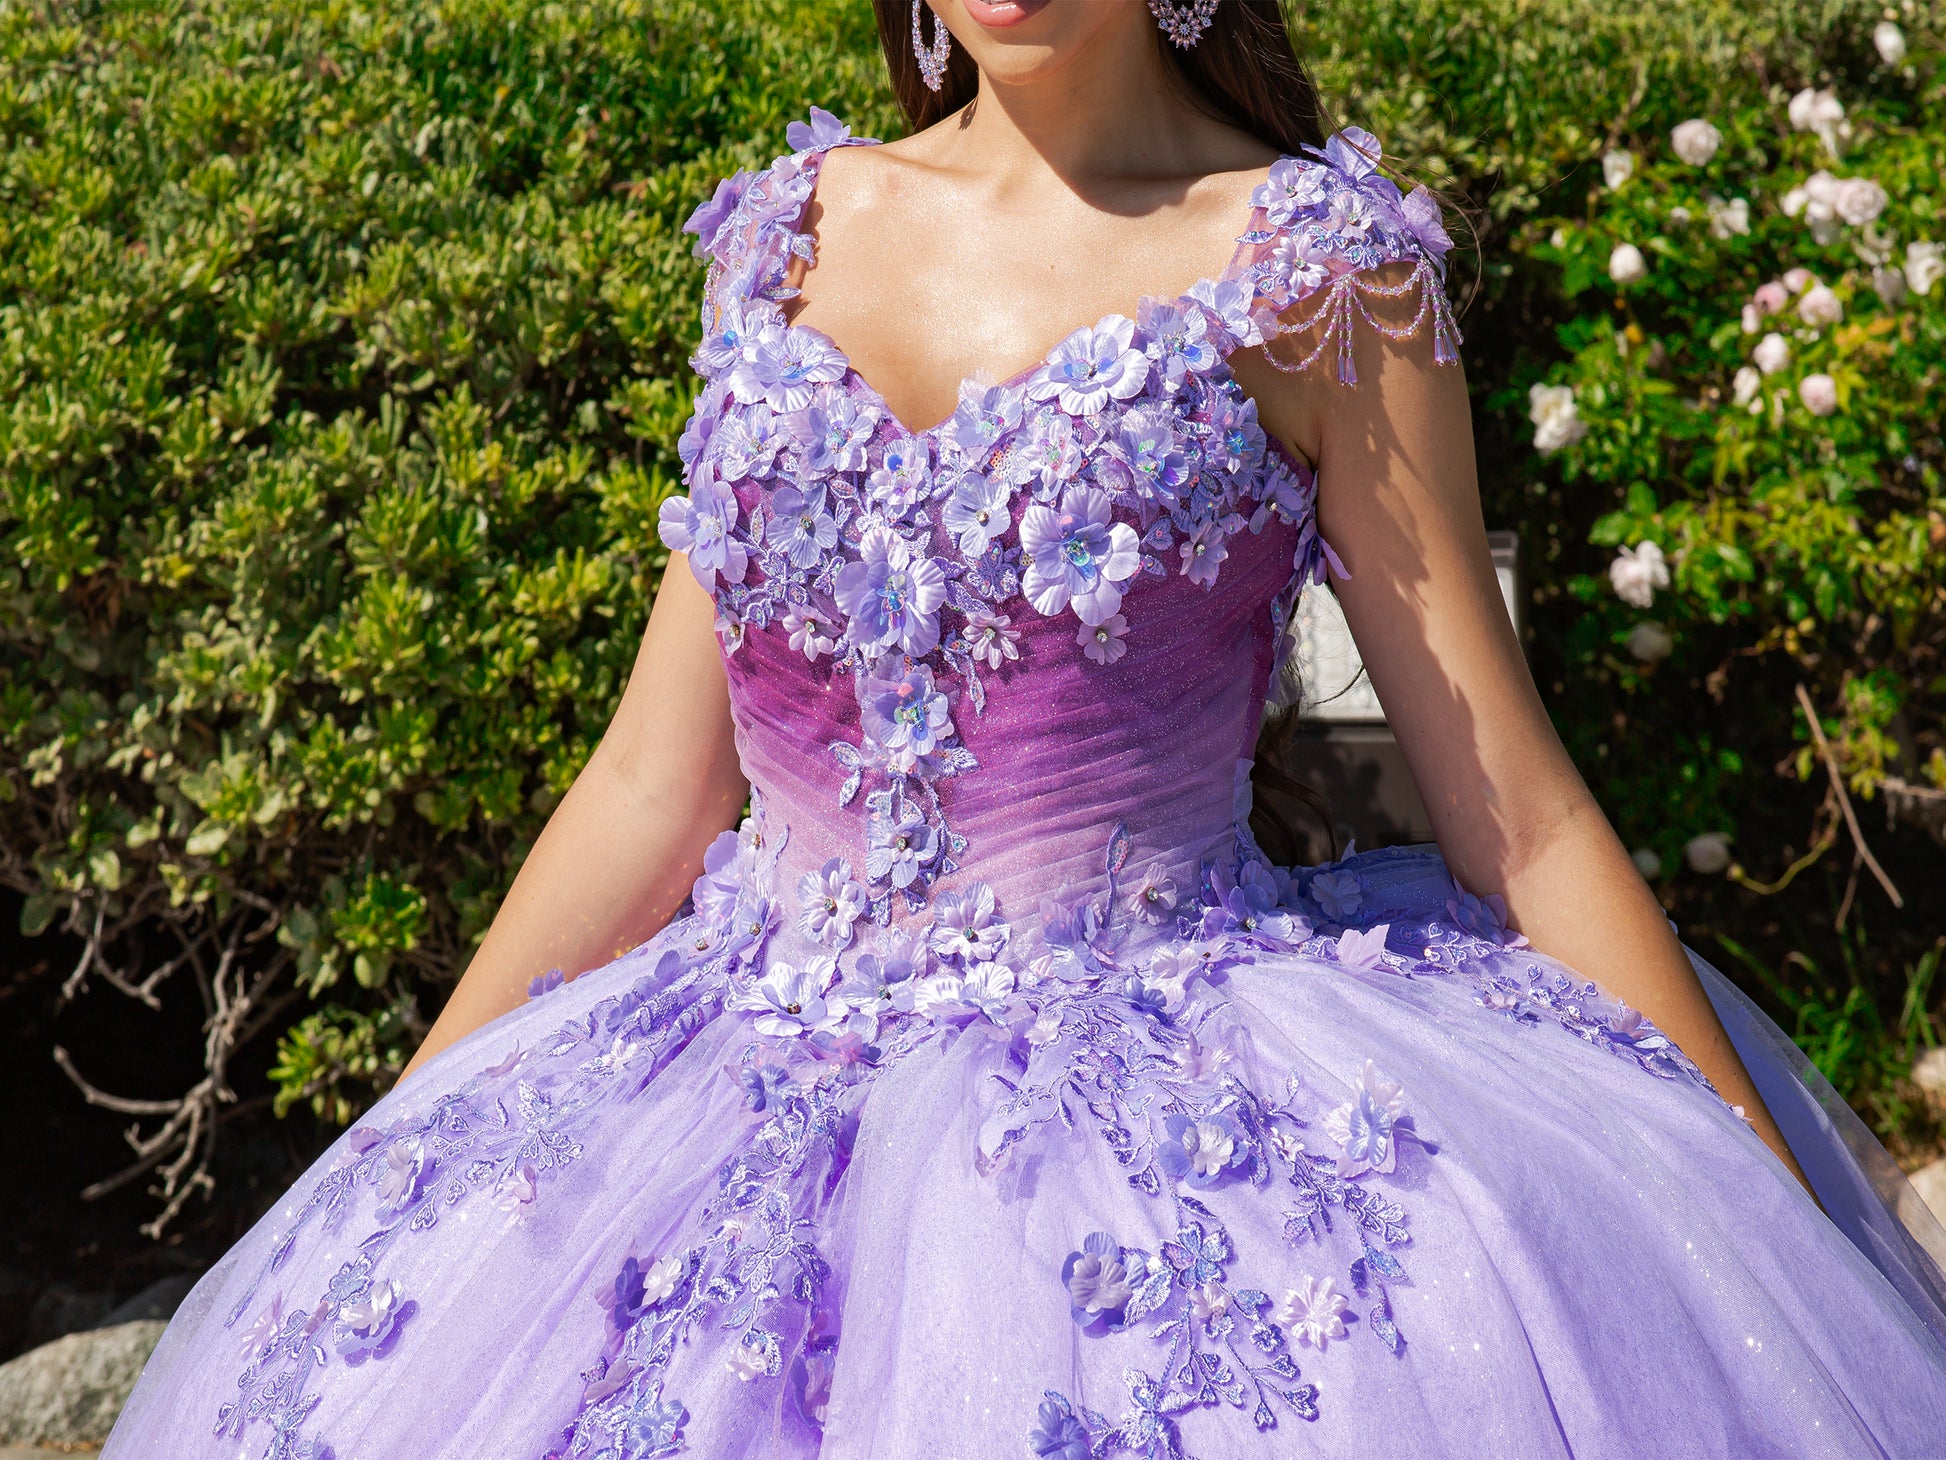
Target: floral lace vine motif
<point>1137,1047</point>
<point>905,560</point>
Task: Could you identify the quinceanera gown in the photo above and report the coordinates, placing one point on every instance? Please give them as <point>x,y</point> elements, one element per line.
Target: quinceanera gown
<point>995,1096</point>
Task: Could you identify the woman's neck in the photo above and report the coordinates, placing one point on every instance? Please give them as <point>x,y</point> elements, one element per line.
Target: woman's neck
<point>1112,112</point>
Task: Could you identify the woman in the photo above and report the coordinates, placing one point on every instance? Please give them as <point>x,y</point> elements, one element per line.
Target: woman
<point>991,1093</point>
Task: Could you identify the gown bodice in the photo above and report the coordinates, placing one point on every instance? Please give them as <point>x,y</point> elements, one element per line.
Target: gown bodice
<point>988,659</point>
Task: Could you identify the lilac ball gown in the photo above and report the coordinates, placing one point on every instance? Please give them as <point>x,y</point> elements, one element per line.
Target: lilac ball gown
<point>995,1096</point>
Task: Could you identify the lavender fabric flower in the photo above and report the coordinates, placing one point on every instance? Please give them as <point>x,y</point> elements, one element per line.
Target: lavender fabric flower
<point>1050,456</point>
<point>986,415</point>
<point>1154,455</point>
<point>782,367</point>
<point>1237,442</point>
<point>900,848</point>
<point>703,525</point>
<point>1228,302</point>
<point>1101,1279</point>
<point>1153,898</point>
<point>834,432</point>
<point>1178,340</point>
<point>738,322</point>
<point>1058,1435</point>
<point>903,477</point>
<point>708,219</point>
<point>822,131</point>
<point>1091,367</point>
<point>967,926</point>
<point>811,633</point>
<point>1203,554</point>
<point>1338,894</point>
<point>1105,642</point>
<point>801,525</point>
<point>1199,1148</point>
<point>977,513</point>
<point>892,595</point>
<point>1366,1126</point>
<point>884,981</point>
<point>905,713</point>
<point>747,443</point>
<point>1295,186</point>
<point>789,1002</point>
<point>991,637</point>
<point>1077,555</point>
<point>830,903</point>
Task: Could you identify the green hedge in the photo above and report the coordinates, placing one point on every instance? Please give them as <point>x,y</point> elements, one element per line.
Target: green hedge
<point>341,364</point>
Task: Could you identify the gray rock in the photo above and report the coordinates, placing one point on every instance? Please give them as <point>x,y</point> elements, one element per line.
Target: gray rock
<point>59,1309</point>
<point>68,1392</point>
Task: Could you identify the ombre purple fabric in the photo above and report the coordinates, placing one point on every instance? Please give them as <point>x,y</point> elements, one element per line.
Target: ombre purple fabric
<point>995,1096</point>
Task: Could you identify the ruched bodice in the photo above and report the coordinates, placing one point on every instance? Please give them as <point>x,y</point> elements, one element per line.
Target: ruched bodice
<point>1084,576</point>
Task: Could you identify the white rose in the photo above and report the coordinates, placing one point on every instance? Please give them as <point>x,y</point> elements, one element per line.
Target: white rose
<point>1820,306</point>
<point>1696,141</point>
<point>1647,863</point>
<point>1617,167</point>
<point>1822,113</point>
<point>1728,219</point>
<point>1925,265</point>
<point>1637,572</point>
<point>1858,200</point>
<point>1772,354</point>
<point>1626,265</point>
<point>1557,423</point>
<point>1890,42</point>
<point>1708,854</point>
<point>1890,284</point>
<point>1819,393</point>
<point>1753,319</point>
<point>1747,381</point>
<point>1650,643</point>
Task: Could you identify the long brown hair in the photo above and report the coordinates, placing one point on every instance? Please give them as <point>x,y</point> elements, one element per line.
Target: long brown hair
<point>1246,72</point>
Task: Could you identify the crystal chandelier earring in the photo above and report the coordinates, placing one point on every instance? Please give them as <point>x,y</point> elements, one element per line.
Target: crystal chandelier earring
<point>932,58</point>
<point>1183,21</point>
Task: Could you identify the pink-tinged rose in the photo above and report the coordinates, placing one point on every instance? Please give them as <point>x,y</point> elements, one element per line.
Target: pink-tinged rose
<point>1820,306</point>
<point>1819,393</point>
<point>1772,297</point>
<point>1797,280</point>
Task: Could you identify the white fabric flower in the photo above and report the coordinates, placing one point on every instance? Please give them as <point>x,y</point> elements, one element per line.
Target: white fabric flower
<point>1729,218</point>
<point>1696,141</point>
<point>1617,167</point>
<point>1650,643</point>
<point>1707,854</point>
<point>1820,306</point>
<point>1749,378</point>
<point>659,1279</point>
<point>1772,354</point>
<point>1925,265</point>
<point>747,1362</point>
<point>1819,393</point>
<point>1312,1312</point>
<point>1889,41</point>
<point>1557,423</point>
<point>1637,572</point>
<point>1626,265</point>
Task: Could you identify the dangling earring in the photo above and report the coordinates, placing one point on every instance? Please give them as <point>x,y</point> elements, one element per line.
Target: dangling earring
<point>932,58</point>
<point>1183,21</point>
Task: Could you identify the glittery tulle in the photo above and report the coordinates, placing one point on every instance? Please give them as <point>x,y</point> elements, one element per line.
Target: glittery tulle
<point>994,1095</point>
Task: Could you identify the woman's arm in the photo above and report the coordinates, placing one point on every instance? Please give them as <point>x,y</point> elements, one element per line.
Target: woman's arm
<point>1399,500</point>
<point>619,853</point>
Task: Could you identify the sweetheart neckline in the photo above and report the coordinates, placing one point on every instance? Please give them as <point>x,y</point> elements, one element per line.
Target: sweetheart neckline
<point>815,161</point>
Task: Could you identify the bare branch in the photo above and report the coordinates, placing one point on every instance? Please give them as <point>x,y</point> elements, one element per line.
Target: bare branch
<point>1844,798</point>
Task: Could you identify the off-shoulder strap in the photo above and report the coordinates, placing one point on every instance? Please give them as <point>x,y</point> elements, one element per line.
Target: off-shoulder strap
<point>1323,225</point>
<point>750,229</point>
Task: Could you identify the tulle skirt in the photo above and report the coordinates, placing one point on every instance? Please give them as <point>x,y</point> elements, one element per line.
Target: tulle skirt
<point>1416,1194</point>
